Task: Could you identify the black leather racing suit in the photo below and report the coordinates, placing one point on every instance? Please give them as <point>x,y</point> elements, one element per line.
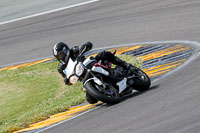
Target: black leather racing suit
<point>104,55</point>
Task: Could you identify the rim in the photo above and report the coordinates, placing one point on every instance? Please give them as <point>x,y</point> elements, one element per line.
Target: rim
<point>109,91</point>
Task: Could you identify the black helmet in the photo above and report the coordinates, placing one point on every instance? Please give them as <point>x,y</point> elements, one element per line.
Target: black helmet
<point>62,52</point>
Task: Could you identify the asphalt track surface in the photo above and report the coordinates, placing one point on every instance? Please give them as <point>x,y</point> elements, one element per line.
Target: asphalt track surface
<point>172,105</point>
<point>12,10</point>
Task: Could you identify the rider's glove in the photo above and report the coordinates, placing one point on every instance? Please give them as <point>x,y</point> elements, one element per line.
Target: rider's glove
<point>67,81</point>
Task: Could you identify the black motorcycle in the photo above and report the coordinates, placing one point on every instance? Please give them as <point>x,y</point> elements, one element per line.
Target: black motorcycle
<point>105,83</point>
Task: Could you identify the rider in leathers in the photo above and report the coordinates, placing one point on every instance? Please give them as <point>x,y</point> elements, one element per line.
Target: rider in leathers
<point>62,53</point>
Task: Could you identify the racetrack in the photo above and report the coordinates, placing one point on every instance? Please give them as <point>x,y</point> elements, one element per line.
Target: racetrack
<point>105,23</point>
<point>172,105</point>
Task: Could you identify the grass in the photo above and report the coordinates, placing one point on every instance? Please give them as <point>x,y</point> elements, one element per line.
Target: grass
<point>32,94</point>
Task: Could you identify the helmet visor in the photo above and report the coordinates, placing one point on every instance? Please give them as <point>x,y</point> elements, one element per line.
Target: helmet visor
<point>60,56</point>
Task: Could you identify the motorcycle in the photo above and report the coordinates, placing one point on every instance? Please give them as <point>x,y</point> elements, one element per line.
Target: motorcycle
<point>104,83</point>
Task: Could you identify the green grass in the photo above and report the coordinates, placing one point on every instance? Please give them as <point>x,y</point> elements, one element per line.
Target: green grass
<point>32,94</point>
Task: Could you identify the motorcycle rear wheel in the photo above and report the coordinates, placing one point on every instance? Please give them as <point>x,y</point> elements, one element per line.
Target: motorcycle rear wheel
<point>143,82</point>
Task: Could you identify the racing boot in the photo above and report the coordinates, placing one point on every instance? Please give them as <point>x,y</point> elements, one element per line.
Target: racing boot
<point>129,68</point>
<point>121,63</point>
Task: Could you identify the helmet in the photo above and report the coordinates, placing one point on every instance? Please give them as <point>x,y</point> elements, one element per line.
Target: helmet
<point>62,52</point>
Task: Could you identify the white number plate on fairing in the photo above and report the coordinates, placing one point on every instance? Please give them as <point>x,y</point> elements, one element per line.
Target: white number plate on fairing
<point>122,85</point>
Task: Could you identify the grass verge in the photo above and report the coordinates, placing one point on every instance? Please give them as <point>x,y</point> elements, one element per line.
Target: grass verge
<point>32,94</point>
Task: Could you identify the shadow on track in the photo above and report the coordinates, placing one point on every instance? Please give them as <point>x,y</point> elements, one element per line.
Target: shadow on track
<point>135,94</point>
<point>140,92</point>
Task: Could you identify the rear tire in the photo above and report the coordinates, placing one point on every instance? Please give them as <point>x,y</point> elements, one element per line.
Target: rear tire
<point>94,92</point>
<point>143,82</point>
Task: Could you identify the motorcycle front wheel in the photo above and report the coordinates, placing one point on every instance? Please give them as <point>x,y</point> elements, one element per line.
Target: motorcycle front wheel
<point>109,95</point>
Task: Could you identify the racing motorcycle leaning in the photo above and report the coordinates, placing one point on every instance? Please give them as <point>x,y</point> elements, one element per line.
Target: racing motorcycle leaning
<point>103,82</point>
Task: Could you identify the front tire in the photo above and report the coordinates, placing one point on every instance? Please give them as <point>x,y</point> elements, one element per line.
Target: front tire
<point>92,89</point>
<point>90,99</point>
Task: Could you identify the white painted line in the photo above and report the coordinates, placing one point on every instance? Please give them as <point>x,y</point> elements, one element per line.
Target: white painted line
<point>194,43</point>
<point>51,11</point>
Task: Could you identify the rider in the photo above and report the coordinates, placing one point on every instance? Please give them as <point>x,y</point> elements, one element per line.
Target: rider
<point>62,53</point>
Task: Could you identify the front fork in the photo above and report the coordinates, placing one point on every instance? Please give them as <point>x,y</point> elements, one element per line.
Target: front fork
<point>90,76</point>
